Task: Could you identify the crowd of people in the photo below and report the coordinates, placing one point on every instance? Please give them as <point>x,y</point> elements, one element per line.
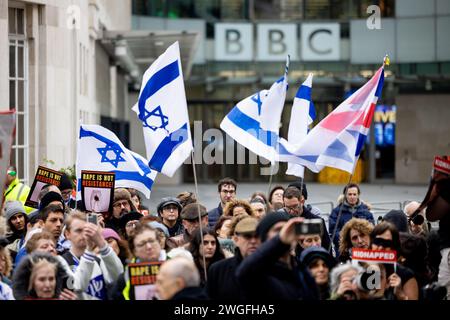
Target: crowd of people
<point>243,249</point>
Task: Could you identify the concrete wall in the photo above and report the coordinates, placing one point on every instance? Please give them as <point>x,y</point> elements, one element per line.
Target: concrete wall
<point>422,132</point>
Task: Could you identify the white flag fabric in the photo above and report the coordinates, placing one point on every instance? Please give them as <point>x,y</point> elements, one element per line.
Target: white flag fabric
<point>273,104</point>
<point>99,149</point>
<point>302,115</point>
<point>162,109</point>
<point>254,122</point>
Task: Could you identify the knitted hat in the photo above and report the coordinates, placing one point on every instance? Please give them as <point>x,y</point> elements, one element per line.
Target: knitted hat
<point>268,221</point>
<point>65,183</point>
<point>110,233</point>
<point>398,219</point>
<point>50,197</point>
<point>12,208</point>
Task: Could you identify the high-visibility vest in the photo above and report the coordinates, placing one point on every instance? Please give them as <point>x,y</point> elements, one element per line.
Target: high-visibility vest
<point>17,191</point>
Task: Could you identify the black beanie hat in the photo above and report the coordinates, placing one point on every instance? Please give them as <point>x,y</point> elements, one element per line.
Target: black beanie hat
<point>65,183</point>
<point>398,219</point>
<point>50,197</point>
<point>268,221</point>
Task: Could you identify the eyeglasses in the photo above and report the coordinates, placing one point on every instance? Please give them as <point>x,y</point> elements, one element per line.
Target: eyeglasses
<point>293,209</point>
<point>150,241</point>
<point>228,191</point>
<point>121,204</point>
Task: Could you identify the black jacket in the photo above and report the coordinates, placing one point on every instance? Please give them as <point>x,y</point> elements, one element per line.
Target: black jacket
<point>214,215</point>
<point>190,294</point>
<point>222,282</point>
<point>263,277</point>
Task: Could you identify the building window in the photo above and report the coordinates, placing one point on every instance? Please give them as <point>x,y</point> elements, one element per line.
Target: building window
<point>18,89</point>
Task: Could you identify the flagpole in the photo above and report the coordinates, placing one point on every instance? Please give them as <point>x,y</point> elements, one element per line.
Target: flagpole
<point>270,179</point>
<point>198,209</point>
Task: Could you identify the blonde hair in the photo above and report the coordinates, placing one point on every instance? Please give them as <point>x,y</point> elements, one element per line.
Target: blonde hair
<point>8,261</point>
<point>76,214</point>
<point>40,263</point>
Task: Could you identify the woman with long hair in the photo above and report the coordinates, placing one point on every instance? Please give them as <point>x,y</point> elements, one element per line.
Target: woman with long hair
<point>205,253</point>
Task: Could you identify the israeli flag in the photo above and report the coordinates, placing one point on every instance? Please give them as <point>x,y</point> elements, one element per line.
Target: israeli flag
<point>254,122</point>
<point>101,150</point>
<point>302,116</point>
<point>162,109</point>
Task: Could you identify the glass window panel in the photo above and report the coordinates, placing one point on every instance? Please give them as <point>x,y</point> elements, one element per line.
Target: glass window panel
<point>20,96</point>
<point>12,20</point>
<point>20,163</point>
<point>12,160</point>
<point>12,61</point>
<point>12,95</point>
<point>20,21</point>
<point>21,129</point>
<point>20,61</point>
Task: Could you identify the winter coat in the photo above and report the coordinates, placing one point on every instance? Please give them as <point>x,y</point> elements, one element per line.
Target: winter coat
<point>264,277</point>
<point>214,215</point>
<point>360,211</point>
<point>222,282</point>
<point>22,275</point>
<point>190,294</point>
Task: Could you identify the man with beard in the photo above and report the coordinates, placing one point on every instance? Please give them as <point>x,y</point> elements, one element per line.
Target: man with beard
<point>122,204</point>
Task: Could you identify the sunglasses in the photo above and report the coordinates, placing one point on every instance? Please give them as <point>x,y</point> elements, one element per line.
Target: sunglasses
<point>383,242</point>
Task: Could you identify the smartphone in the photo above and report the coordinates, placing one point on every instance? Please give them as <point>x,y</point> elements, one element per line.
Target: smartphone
<point>309,226</point>
<point>92,218</point>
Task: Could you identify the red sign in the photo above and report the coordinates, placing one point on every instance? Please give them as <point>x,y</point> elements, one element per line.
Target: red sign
<point>381,256</point>
<point>442,164</point>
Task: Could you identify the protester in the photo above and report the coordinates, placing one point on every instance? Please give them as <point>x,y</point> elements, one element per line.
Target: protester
<point>66,188</point>
<point>319,263</point>
<point>136,198</point>
<point>418,225</point>
<point>354,234</point>
<point>17,220</point>
<point>271,273</point>
<point>53,222</point>
<point>53,198</point>
<point>302,187</point>
<point>14,189</point>
<point>222,282</point>
<point>41,276</point>
<point>222,230</point>
<point>385,236</point>
<point>190,220</point>
<point>122,204</point>
<point>5,262</point>
<point>236,207</point>
<point>276,197</point>
<point>169,210</point>
<point>145,247</point>
<point>119,246</point>
<point>128,223</point>
<point>342,284</point>
<point>205,253</point>
<point>398,219</point>
<point>104,268</point>
<point>351,207</point>
<point>260,196</point>
<point>227,192</point>
<point>259,208</point>
<point>294,206</point>
<point>179,279</point>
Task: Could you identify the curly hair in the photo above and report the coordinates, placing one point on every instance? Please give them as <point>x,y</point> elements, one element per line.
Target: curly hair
<point>234,221</point>
<point>8,261</point>
<point>230,206</point>
<point>361,225</point>
<point>186,198</point>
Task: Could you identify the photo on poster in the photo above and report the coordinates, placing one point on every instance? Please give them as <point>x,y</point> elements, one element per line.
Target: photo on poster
<point>97,190</point>
<point>142,277</point>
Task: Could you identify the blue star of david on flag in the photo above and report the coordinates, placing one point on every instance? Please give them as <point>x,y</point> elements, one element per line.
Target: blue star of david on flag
<point>156,113</point>
<point>105,158</point>
<point>257,99</point>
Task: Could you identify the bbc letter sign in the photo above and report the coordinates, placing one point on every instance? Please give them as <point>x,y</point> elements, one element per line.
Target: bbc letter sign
<point>320,41</point>
<point>234,41</point>
<point>276,41</point>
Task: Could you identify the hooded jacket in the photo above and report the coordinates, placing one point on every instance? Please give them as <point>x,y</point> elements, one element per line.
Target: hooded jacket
<point>22,275</point>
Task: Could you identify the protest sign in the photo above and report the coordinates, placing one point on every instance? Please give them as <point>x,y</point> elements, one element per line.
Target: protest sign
<point>97,190</point>
<point>43,177</point>
<point>142,278</point>
<point>380,256</point>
